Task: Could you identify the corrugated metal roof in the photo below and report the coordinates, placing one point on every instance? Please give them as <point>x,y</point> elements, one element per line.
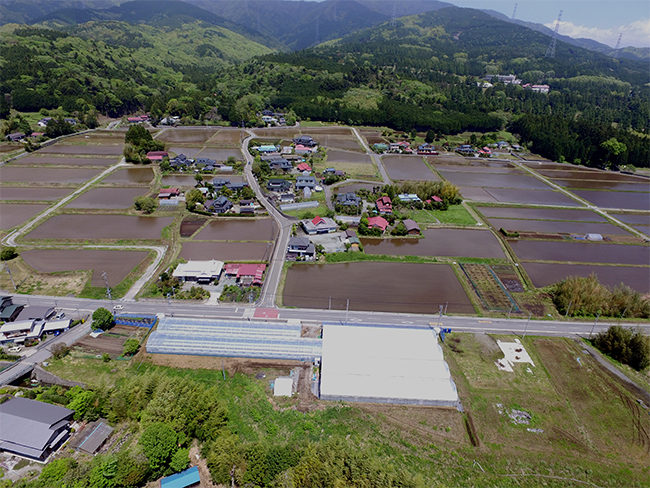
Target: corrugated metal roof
<point>183,479</point>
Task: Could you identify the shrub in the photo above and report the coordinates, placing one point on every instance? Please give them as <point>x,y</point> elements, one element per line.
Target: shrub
<point>102,319</point>
<point>60,351</point>
<point>146,205</point>
<point>8,253</point>
<point>131,347</point>
<point>627,346</point>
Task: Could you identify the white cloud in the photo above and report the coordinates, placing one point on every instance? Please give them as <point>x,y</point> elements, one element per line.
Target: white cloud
<point>636,33</point>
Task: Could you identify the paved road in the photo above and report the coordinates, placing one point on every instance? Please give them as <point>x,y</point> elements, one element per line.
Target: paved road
<point>274,271</point>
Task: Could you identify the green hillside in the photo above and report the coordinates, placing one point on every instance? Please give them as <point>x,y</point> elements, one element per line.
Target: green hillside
<point>114,66</point>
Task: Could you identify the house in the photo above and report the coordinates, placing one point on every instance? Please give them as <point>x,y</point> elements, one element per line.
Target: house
<point>435,199</point>
<point>319,225</point>
<point>246,273</point>
<point>44,121</point>
<point>203,162</point>
<point>157,155</point>
<point>70,121</point>
<point>287,198</point>
<point>35,312</point>
<point>384,205</point>
<point>305,182</point>
<point>21,330</point>
<point>408,198</point>
<point>506,79</point>
<point>247,207</point>
<point>286,150</point>
<point>219,183</point>
<point>279,185</point>
<point>220,204</point>
<point>8,310</point>
<point>378,223</point>
<point>332,171</point>
<point>180,161</point>
<point>401,146</point>
<point>303,167</point>
<point>302,149</point>
<point>33,429</point>
<point>412,227</point>
<point>185,479</point>
<point>466,149</point>
<point>349,199</point>
<point>280,164</point>
<point>301,247</point>
<point>199,271</point>
<point>267,148</point>
<point>236,186</point>
<point>15,136</point>
<point>540,88</point>
<point>269,119</point>
<point>427,149</point>
<point>168,193</point>
<point>92,437</point>
<point>353,240</point>
<point>134,120</point>
<point>304,140</point>
<point>36,135</point>
<point>267,112</point>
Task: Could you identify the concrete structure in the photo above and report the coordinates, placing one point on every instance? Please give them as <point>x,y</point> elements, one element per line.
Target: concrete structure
<point>201,271</point>
<point>33,429</point>
<point>385,365</point>
<point>283,386</point>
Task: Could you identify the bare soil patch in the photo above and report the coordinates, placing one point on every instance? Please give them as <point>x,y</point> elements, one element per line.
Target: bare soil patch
<point>238,230</point>
<point>181,134</point>
<point>228,138</point>
<point>111,341</point>
<point>33,194</point>
<point>220,155</point>
<point>116,264</point>
<point>13,214</point>
<point>24,174</point>
<point>336,155</point>
<point>411,168</point>
<point>107,198</point>
<point>346,143</point>
<point>228,251</point>
<point>190,225</point>
<point>373,137</point>
<point>7,148</point>
<point>231,365</point>
<point>100,226</point>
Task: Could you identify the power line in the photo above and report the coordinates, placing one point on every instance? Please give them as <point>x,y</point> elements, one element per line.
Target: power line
<point>550,51</point>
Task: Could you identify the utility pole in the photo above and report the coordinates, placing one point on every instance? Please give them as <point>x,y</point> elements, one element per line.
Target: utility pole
<point>11,277</point>
<point>330,304</point>
<point>108,288</point>
<point>594,326</point>
<point>440,316</point>
<point>347,309</point>
<point>568,308</point>
<point>530,314</point>
<point>550,51</point>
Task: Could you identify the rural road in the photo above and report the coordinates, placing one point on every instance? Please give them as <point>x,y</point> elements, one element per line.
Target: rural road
<point>373,155</point>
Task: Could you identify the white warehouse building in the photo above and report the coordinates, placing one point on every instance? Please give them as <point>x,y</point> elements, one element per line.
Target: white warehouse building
<point>382,364</point>
<point>200,271</point>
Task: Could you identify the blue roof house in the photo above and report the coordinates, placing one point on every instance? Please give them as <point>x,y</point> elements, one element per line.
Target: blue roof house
<point>189,477</point>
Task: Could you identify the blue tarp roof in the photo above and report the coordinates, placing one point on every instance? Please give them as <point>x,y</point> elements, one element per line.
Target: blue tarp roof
<point>185,478</point>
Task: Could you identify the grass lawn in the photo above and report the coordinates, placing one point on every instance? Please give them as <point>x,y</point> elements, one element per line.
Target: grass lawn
<point>318,196</point>
<point>88,369</point>
<point>455,214</point>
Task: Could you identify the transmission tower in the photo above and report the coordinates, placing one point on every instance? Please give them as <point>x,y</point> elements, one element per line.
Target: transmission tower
<point>618,45</point>
<point>108,288</point>
<point>393,18</point>
<point>550,52</point>
<point>514,11</point>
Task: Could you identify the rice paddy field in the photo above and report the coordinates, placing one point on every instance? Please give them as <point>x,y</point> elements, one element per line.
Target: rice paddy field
<point>45,176</point>
<point>544,274</point>
<point>408,168</point>
<point>194,135</point>
<point>13,214</point>
<point>129,177</point>
<point>238,230</point>
<point>61,160</point>
<point>107,198</point>
<point>581,252</point>
<point>41,194</point>
<point>376,286</point>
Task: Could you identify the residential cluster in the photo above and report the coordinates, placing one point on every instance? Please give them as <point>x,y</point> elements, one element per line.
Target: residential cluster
<point>28,324</point>
<point>512,80</point>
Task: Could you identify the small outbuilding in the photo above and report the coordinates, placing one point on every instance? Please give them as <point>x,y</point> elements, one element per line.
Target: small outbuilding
<point>412,228</point>
<point>283,386</point>
<point>184,479</point>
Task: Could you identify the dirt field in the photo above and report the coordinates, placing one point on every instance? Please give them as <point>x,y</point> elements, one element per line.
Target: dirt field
<point>220,155</point>
<point>93,226</point>
<point>581,252</point>
<point>346,143</point>
<point>31,175</point>
<point>187,135</point>
<point>129,176</point>
<point>116,264</point>
<point>112,341</point>
<point>13,214</point>
<point>107,198</point>
<point>31,282</point>
<point>231,365</point>
<point>542,214</point>
<point>336,155</point>
<point>412,168</point>
<point>227,138</point>
<point>190,225</point>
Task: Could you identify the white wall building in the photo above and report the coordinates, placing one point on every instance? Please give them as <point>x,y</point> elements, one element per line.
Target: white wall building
<point>201,271</point>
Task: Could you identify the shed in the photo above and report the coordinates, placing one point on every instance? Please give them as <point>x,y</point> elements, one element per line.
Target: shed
<point>411,226</point>
<point>189,477</point>
<point>593,237</point>
<point>93,436</point>
<point>283,386</point>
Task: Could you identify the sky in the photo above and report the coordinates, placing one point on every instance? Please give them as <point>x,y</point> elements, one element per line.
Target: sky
<point>600,20</point>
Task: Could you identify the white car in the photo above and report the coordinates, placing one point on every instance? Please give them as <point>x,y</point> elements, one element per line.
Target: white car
<point>118,307</point>
<point>60,315</point>
<point>15,349</point>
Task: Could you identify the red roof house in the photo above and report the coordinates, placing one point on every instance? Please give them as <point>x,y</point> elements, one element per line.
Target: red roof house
<point>157,155</point>
<point>436,198</point>
<point>246,272</point>
<point>169,192</point>
<point>378,223</point>
<point>303,167</point>
<point>384,205</point>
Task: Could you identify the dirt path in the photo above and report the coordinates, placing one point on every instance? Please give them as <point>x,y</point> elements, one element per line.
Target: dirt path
<point>197,460</point>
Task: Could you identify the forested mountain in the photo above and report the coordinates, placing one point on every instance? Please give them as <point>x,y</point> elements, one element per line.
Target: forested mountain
<point>28,11</point>
<point>113,66</point>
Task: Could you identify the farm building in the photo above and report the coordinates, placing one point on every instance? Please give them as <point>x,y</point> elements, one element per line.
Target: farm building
<point>412,228</point>
<point>92,437</point>
<point>382,364</point>
<point>246,273</point>
<point>185,479</point>
<point>201,271</point>
<point>232,338</point>
<point>33,429</point>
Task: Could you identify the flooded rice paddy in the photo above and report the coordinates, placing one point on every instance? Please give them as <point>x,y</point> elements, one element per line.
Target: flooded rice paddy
<point>35,160</point>
<point>97,226</point>
<point>238,230</point>
<point>581,252</point>
<point>520,196</point>
<point>227,251</point>
<point>440,242</point>
<point>116,264</point>
<point>541,213</point>
<point>13,214</point>
<point>44,194</point>
<point>107,198</point>
<point>544,274</point>
<point>408,168</point>
<point>383,287</point>
<point>346,143</point>
<point>187,135</point>
<point>28,174</point>
<point>336,155</point>
<point>220,154</point>
<point>557,227</point>
<point>190,152</point>
<point>104,150</point>
<point>190,225</point>
<point>129,176</point>
<point>616,199</point>
<point>602,185</point>
<point>519,181</point>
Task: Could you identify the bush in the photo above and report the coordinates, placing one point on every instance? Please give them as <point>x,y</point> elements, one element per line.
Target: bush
<point>146,205</point>
<point>60,351</point>
<point>131,347</point>
<point>8,253</point>
<point>628,347</point>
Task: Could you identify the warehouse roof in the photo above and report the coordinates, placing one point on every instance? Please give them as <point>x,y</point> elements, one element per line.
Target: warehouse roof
<point>189,477</point>
<point>384,364</point>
